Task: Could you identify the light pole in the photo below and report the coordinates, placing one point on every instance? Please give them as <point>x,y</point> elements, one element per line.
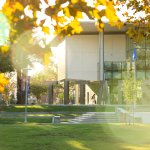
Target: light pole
<point>134,57</point>
<point>26,93</point>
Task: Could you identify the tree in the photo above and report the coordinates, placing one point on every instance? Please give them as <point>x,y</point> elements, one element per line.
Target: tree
<point>3,82</point>
<point>5,66</point>
<point>39,83</point>
<point>38,90</point>
<point>22,45</point>
<point>62,17</point>
<point>9,90</point>
<point>131,92</point>
<point>137,13</point>
<point>5,62</point>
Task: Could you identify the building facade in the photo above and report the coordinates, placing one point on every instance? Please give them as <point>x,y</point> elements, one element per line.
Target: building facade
<point>100,62</point>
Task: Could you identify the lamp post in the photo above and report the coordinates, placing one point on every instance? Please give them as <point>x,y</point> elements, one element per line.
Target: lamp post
<point>134,57</point>
<point>26,92</point>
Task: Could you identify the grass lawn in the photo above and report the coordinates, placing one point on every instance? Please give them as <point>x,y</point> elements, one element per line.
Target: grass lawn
<point>54,108</point>
<point>33,136</point>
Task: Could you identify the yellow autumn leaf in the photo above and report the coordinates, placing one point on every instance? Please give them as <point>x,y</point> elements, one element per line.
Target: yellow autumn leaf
<point>103,2</point>
<point>1,89</point>
<point>100,2</point>
<point>4,49</point>
<point>3,82</point>
<point>110,13</point>
<point>18,6</point>
<point>74,1</point>
<point>119,24</point>
<point>74,23</point>
<point>76,27</point>
<point>61,19</point>
<point>34,14</point>
<point>95,14</point>
<point>101,25</point>
<point>46,30</point>
<point>131,32</point>
<point>67,12</point>
<point>8,11</point>
<point>47,58</point>
<point>16,19</point>
<point>79,14</point>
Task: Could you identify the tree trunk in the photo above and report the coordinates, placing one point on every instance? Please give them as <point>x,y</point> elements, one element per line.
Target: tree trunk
<point>20,95</point>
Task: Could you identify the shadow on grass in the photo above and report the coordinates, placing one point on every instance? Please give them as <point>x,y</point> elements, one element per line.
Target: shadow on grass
<point>21,120</point>
<point>54,108</point>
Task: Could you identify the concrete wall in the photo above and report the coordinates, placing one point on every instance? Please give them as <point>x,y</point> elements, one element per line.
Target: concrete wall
<point>78,55</point>
<point>82,57</point>
<point>61,60</point>
<point>114,47</point>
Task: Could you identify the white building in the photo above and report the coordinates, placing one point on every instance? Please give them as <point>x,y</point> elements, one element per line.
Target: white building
<point>93,56</point>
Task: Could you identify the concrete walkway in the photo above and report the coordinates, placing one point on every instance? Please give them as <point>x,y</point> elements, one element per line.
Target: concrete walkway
<point>145,116</point>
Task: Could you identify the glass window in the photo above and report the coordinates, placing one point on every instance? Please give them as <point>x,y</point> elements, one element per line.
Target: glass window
<point>108,65</point>
<point>130,44</point>
<point>148,54</point>
<point>142,43</point>
<point>108,75</point>
<point>124,66</point>
<point>141,54</point>
<point>148,64</point>
<point>117,75</point>
<point>148,43</point>
<point>148,74</point>
<point>140,75</point>
<point>140,65</point>
<point>117,66</point>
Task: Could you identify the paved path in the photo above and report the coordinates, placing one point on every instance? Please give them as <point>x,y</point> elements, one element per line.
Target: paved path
<point>145,116</point>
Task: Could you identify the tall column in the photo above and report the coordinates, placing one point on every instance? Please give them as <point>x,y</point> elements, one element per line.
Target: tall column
<point>82,93</point>
<point>100,93</point>
<point>50,94</point>
<point>76,94</point>
<point>66,92</point>
<point>101,66</point>
<point>101,56</point>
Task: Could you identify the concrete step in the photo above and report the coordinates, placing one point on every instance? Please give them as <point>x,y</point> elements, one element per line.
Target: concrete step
<point>94,121</point>
<point>96,117</point>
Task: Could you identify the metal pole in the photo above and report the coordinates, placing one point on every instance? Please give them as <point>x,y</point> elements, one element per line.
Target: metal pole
<point>135,70</point>
<point>136,91</point>
<point>134,100</point>
<point>26,100</point>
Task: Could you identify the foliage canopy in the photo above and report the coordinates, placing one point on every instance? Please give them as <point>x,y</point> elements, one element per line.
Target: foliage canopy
<point>63,16</point>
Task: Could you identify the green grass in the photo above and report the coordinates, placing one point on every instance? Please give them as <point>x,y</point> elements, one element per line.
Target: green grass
<point>48,108</point>
<point>74,137</point>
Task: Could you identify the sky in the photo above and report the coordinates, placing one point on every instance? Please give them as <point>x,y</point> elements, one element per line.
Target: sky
<point>2,3</point>
<point>37,67</point>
